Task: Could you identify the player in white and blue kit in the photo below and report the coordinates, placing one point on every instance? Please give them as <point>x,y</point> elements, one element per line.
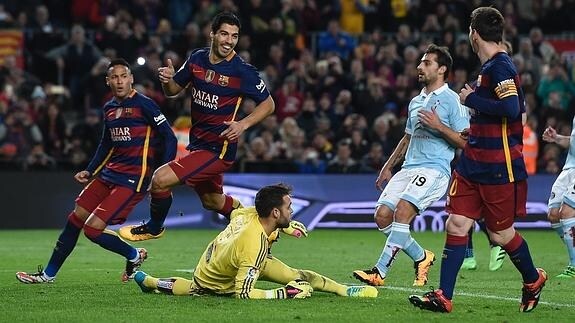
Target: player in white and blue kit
<point>561,202</point>
<point>433,131</point>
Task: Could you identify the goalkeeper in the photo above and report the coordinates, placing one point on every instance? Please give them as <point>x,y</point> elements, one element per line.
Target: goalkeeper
<point>240,254</point>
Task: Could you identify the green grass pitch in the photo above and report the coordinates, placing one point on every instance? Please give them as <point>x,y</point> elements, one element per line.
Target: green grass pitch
<point>88,288</point>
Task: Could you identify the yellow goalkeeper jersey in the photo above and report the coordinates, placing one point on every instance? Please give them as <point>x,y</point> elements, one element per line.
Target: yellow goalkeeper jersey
<point>232,262</point>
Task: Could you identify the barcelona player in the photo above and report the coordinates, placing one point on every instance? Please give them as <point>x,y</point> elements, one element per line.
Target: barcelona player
<point>496,253</point>
<point>432,133</point>
<point>218,79</point>
<point>489,179</point>
<point>136,138</point>
<point>240,255</point>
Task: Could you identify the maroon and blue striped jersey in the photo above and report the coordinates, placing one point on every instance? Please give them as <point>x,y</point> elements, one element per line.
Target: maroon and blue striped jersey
<point>217,92</point>
<point>493,153</point>
<point>136,139</point>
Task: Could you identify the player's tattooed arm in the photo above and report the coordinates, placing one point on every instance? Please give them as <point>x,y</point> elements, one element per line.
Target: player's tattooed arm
<point>397,156</point>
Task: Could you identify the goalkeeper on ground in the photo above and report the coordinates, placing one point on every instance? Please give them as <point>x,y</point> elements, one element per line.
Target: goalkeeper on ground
<point>240,254</point>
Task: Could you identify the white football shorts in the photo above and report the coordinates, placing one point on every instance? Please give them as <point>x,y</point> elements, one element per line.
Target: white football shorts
<point>563,190</point>
<point>420,186</point>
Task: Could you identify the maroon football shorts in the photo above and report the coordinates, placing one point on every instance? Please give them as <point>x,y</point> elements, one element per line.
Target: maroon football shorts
<point>202,170</point>
<point>110,202</point>
<point>497,204</point>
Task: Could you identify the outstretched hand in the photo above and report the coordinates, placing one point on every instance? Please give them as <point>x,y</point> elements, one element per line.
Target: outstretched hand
<point>550,134</point>
<point>166,73</point>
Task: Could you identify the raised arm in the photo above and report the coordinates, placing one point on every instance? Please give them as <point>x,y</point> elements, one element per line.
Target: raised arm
<point>166,76</point>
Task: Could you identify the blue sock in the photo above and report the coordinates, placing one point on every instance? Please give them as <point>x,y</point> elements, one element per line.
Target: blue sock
<point>451,261</point>
<point>518,252</point>
<point>111,242</point>
<point>414,250</point>
<point>159,206</point>
<point>64,246</point>
<point>386,231</point>
<point>568,226</point>
<point>395,241</point>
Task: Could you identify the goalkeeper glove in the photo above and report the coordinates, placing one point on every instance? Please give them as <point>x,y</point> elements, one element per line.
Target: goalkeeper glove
<point>296,229</point>
<point>298,289</point>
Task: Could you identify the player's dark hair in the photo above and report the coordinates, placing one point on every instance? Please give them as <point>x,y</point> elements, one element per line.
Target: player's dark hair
<point>225,18</point>
<point>488,22</point>
<point>443,57</point>
<point>118,61</point>
<point>270,197</point>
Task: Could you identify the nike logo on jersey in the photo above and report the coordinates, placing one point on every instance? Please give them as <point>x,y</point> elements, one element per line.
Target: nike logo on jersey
<point>131,181</point>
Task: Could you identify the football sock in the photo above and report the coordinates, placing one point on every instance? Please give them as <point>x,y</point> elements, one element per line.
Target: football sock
<point>110,241</point>
<point>230,204</point>
<point>518,252</point>
<point>386,231</point>
<point>278,272</point>
<point>174,285</point>
<point>414,250</point>
<point>160,204</point>
<point>469,249</point>
<point>65,244</point>
<point>321,283</point>
<point>411,248</point>
<point>568,233</point>
<point>395,241</point>
<point>451,261</point>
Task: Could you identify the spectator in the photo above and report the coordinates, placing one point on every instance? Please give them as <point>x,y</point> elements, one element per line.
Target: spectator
<point>530,145</point>
<point>335,41</point>
<point>541,47</point>
<point>85,137</point>
<point>342,163</point>
<point>311,162</point>
<point>556,81</point>
<point>352,16</point>
<point>307,118</point>
<point>374,160</point>
<point>288,99</point>
<point>75,60</point>
<point>531,63</point>
<point>53,128</point>
<point>19,137</point>
<point>358,144</point>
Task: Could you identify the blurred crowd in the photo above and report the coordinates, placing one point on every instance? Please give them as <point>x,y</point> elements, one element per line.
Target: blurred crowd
<point>342,73</point>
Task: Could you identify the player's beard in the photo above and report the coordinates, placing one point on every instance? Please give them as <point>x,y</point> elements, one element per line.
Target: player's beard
<point>423,79</point>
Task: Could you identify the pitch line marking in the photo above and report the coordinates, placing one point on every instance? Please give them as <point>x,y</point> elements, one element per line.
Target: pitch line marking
<point>502,298</point>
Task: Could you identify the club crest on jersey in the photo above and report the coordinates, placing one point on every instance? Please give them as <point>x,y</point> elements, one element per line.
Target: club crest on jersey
<point>128,111</point>
<point>209,75</point>
<point>223,80</point>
